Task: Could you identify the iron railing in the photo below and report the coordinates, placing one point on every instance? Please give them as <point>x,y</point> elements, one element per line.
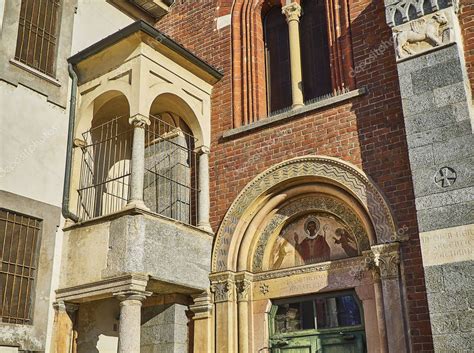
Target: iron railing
<point>105,169</point>
<point>170,179</point>
<point>170,185</point>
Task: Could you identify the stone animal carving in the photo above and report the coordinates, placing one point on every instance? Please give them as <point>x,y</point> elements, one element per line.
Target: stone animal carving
<point>421,31</point>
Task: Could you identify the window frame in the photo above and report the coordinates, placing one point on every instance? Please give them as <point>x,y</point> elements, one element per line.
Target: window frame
<point>18,53</point>
<point>303,298</point>
<point>28,320</point>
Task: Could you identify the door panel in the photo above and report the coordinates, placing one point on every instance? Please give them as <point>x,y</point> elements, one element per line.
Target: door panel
<point>349,342</point>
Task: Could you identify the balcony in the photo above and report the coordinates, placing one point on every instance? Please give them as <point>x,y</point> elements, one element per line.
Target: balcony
<point>140,167</point>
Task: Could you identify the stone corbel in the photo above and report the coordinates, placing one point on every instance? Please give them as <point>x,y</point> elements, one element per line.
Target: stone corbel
<point>386,258</point>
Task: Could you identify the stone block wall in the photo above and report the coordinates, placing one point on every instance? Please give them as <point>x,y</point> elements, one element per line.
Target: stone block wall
<point>164,329</point>
<point>436,96</point>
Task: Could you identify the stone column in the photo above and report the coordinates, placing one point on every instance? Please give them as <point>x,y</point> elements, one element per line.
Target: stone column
<point>203,197</point>
<point>63,336</point>
<point>130,320</point>
<point>242,287</point>
<point>138,161</point>
<point>203,325</point>
<point>387,260</point>
<point>293,13</point>
<point>223,287</point>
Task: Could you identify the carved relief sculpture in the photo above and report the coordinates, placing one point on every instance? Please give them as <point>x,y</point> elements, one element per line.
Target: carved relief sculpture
<point>422,34</point>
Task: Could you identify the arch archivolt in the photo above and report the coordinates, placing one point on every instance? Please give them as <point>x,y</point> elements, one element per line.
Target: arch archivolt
<point>257,203</point>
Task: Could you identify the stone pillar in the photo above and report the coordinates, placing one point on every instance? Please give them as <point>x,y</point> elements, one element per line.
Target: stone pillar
<point>243,288</point>
<point>130,320</point>
<point>63,340</point>
<point>138,161</point>
<point>387,260</point>
<point>203,325</point>
<point>439,123</point>
<point>203,197</point>
<point>223,287</point>
<point>293,13</point>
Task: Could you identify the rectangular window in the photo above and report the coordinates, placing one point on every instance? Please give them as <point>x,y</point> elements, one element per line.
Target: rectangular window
<point>19,240</point>
<point>37,34</point>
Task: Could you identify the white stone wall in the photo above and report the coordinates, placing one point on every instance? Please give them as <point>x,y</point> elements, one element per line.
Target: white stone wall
<point>95,20</point>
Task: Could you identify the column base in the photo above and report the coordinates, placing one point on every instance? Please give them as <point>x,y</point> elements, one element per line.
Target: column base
<point>205,227</point>
<point>136,204</point>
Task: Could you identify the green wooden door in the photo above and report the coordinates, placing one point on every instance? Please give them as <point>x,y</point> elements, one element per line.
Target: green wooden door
<point>330,323</point>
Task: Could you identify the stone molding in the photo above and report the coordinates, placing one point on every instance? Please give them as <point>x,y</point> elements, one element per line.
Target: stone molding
<point>202,306</point>
<point>103,288</point>
<point>332,266</point>
<point>386,258</point>
<point>335,170</point>
<point>292,12</point>
<point>405,6</point>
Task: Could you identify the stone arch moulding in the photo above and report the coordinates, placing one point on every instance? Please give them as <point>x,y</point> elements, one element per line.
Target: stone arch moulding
<point>267,184</point>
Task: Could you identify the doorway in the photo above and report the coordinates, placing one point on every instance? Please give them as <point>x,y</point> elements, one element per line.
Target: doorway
<point>326,323</point>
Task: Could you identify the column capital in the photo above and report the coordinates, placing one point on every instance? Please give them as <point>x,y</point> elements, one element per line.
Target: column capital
<point>223,285</point>
<point>202,306</point>
<point>139,120</point>
<point>292,11</point>
<point>63,306</point>
<point>387,259</point>
<point>131,296</point>
<point>202,150</point>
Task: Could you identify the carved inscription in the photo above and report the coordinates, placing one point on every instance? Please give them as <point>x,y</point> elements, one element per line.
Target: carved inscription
<point>448,245</point>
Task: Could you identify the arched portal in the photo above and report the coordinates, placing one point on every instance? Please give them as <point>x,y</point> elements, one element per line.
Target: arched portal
<point>312,232</point>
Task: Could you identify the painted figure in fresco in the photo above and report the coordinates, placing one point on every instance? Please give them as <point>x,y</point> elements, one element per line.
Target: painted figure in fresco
<point>314,247</point>
<point>346,241</point>
<point>280,254</point>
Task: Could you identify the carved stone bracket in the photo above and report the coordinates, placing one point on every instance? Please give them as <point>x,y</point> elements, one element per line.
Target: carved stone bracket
<point>386,258</point>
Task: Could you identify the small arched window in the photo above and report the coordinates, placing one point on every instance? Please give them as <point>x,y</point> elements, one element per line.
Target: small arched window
<point>315,63</point>
<point>277,57</point>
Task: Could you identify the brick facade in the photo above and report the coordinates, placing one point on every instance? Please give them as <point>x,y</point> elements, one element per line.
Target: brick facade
<point>367,131</point>
<point>466,19</point>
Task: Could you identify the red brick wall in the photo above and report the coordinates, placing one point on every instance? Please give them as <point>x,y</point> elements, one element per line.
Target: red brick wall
<point>367,131</point>
<point>466,18</point>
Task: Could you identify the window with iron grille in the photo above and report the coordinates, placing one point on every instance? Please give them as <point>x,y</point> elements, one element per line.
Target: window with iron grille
<point>19,248</point>
<point>38,34</point>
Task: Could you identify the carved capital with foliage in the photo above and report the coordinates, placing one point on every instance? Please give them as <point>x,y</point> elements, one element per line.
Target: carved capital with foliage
<point>386,258</point>
<point>292,12</point>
